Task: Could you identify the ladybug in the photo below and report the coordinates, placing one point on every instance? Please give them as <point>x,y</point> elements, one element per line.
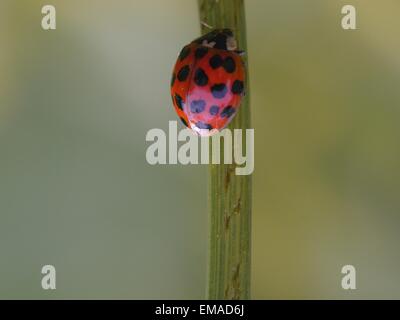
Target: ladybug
<point>207,83</point>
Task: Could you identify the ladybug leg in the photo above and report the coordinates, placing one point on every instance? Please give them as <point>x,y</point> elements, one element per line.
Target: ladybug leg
<point>206,25</point>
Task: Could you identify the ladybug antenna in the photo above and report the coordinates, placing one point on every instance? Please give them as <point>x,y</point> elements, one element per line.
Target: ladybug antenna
<point>205,24</point>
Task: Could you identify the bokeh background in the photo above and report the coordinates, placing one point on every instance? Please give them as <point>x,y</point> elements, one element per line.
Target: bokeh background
<point>76,191</point>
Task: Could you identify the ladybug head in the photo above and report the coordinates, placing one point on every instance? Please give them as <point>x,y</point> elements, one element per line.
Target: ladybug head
<point>218,39</point>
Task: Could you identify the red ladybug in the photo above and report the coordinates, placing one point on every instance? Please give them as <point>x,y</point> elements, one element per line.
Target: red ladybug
<point>207,83</point>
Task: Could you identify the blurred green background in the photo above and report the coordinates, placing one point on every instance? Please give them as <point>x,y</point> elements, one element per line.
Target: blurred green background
<point>76,191</point>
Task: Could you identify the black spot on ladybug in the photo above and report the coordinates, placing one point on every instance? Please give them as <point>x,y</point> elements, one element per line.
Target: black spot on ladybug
<point>183,121</point>
<point>179,101</point>
<point>216,61</point>
<point>229,65</point>
<point>200,52</point>
<point>202,125</point>
<point>219,90</point>
<point>237,87</point>
<point>200,78</point>
<point>214,110</point>
<point>173,79</point>
<point>183,73</point>
<point>197,106</point>
<point>184,53</point>
<point>227,112</point>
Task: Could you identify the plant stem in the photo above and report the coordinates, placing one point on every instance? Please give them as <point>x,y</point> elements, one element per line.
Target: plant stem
<point>229,194</point>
